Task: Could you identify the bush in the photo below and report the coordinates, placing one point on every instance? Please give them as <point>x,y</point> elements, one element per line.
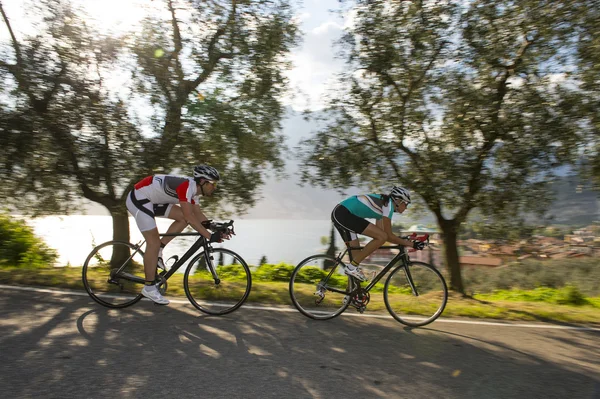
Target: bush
<point>583,274</point>
<point>20,247</point>
<point>568,295</point>
<point>311,274</point>
<point>231,272</point>
<point>278,272</point>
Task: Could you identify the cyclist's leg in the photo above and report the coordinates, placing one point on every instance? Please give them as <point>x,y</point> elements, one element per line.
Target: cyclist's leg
<point>379,238</point>
<point>142,211</point>
<point>151,254</point>
<point>349,225</point>
<point>175,213</point>
<point>349,237</point>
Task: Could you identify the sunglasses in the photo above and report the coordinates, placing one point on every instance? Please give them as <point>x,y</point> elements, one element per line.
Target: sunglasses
<point>213,182</point>
<point>398,202</point>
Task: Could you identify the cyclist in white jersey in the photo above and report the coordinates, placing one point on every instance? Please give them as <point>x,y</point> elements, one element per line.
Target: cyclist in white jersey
<point>176,198</point>
<point>349,217</point>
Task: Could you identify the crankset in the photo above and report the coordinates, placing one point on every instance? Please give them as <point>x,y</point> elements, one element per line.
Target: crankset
<point>360,300</point>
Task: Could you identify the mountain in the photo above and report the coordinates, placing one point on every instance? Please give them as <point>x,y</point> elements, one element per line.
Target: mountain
<point>285,198</point>
<point>576,203</point>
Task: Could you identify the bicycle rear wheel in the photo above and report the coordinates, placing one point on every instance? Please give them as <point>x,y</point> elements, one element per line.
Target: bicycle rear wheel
<point>316,292</point>
<point>415,294</point>
<point>100,277</point>
<point>221,296</point>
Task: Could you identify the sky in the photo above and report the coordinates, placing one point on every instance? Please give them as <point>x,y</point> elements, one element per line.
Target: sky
<point>315,65</point>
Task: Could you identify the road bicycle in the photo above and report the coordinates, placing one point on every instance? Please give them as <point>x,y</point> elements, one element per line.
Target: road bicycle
<point>113,273</point>
<point>415,293</point>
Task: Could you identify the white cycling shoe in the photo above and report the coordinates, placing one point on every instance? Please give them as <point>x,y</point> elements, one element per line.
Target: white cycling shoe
<point>151,292</point>
<point>355,272</point>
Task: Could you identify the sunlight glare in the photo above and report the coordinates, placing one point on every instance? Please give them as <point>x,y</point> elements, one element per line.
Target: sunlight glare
<point>116,16</point>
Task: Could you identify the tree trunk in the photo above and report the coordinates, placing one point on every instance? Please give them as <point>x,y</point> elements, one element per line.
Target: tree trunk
<point>120,219</point>
<point>449,228</point>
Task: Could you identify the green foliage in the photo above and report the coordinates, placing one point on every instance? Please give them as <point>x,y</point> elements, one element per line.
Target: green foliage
<point>20,247</point>
<point>263,260</point>
<point>313,275</point>
<point>231,272</point>
<point>553,231</point>
<point>567,295</point>
<point>486,229</point>
<point>457,101</point>
<point>271,272</point>
<point>67,133</point>
<point>531,274</point>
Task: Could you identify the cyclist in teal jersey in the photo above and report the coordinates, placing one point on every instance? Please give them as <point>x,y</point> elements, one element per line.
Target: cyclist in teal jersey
<point>349,217</point>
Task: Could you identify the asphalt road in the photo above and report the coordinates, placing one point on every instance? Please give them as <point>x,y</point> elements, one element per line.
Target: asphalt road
<point>61,345</point>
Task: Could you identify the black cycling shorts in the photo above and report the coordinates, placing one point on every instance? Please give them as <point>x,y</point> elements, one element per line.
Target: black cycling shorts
<point>347,223</point>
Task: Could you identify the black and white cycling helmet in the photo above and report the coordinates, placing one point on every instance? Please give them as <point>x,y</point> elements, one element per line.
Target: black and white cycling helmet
<point>206,172</point>
<point>400,193</point>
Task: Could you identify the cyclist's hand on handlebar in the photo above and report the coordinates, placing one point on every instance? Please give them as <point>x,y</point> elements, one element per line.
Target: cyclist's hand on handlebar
<point>418,245</point>
<point>216,237</point>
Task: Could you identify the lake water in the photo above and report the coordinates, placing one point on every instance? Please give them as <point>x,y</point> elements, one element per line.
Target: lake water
<point>287,241</point>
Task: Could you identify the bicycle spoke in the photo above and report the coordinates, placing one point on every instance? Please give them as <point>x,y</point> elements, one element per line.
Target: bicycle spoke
<point>224,294</point>
<point>113,274</point>
<point>415,296</point>
<point>316,291</point>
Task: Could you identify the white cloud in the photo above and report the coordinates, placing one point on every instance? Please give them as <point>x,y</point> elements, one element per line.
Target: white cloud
<point>326,27</point>
<point>315,65</point>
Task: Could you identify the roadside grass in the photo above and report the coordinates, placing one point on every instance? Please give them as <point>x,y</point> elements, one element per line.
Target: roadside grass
<point>563,305</point>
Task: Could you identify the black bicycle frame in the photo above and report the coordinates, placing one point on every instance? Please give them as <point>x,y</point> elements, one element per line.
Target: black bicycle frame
<point>188,254</point>
<point>382,273</point>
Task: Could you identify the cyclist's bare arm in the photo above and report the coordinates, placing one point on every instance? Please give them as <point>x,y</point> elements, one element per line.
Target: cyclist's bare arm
<point>387,227</point>
<point>194,218</point>
<point>198,212</point>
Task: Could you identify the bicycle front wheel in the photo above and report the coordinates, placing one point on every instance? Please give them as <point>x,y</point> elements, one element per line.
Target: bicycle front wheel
<point>113,274</point>
<point>318,287</point>
<point>415,294</point>
<point>223,294</point>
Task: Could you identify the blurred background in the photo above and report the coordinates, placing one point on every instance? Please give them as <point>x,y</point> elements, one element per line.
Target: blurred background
<point>487,111</point>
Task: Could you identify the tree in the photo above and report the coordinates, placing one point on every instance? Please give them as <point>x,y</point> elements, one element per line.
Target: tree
<point>64,133</point>
<point>331,250</point>
<point>588,51</point>
<point>469,105</point>
<point>263,260</point>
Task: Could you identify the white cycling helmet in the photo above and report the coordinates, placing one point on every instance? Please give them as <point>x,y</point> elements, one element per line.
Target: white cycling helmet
<point>206,172</point>
<point>400,193</point>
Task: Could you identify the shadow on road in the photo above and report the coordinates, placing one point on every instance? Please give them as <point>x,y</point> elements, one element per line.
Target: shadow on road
<point>59,346</point>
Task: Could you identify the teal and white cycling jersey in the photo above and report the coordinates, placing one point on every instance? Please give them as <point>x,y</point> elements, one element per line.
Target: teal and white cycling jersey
<point>369,206</point>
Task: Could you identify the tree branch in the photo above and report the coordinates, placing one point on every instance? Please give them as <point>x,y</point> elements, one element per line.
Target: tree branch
<point>16,45</point>
<point>174,56</point>
<point>474,184</point>
<point>214,55</point>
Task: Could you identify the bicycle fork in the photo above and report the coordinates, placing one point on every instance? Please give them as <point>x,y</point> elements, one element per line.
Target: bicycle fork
<point>210,266</point>
<point>410,281</point>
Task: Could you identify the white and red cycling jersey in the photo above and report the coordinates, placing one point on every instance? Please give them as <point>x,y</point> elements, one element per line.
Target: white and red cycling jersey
<point>155,196</point>
<point>167,189</point>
